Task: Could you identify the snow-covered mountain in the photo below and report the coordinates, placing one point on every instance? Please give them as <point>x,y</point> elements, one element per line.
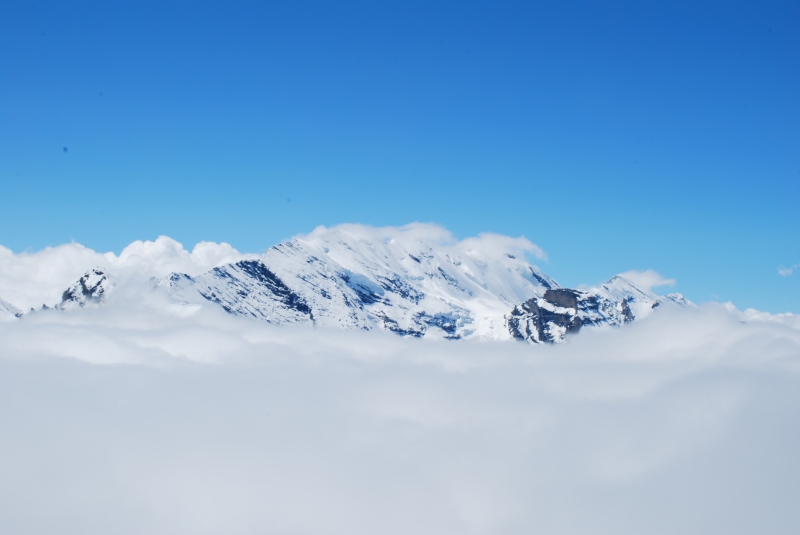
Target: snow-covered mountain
<point>415,281</point>
<point>92,287</point>
<point>405,283</point>
<point>8,311</point>
<point>245,288</point>
<point>349,278</point>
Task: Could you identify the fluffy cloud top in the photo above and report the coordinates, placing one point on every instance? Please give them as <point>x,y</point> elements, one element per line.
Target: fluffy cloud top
<point>135,418</point>
<point>32,279</point>
<point>785,272</point>
<point>485,244</point>
<point>647,280</point>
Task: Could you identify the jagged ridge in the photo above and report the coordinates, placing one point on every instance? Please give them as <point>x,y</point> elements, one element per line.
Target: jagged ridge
<point>356,278</point>
<point>342,278</point>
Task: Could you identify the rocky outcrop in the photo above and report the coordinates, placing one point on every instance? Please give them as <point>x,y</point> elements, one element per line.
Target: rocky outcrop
<point>562,311</point>
<point>92,288</point>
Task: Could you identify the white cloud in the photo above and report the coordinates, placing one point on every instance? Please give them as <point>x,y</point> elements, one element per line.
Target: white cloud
<point>487,244</point>
<point>133,418</point>
<point>785,272</point>
<point>647,280</point>
<point>166,255</point>
<point>786,318</point>
<point>32,279</point>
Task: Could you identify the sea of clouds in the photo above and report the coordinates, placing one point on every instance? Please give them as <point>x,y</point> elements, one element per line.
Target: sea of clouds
<point>143,417</point>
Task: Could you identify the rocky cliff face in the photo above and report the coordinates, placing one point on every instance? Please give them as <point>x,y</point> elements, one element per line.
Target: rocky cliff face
<point>561,312</point>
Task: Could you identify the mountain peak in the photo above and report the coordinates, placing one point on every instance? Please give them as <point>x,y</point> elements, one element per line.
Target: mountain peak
<point>414,281</point>
<point>92,287</point>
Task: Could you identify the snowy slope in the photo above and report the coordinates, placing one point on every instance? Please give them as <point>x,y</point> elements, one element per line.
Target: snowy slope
<point>8,312</point>
<point>412,281</point>
<point>403,283</point>
<point>244,288</point>
<point>415,281</point>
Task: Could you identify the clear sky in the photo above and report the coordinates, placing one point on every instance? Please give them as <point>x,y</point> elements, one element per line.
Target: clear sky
<point>616,136</point>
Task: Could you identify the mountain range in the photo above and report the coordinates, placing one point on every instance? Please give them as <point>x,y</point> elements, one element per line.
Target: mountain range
<point>404,283</point>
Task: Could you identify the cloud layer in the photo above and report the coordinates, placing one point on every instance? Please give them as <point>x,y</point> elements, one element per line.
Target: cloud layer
<point>647,280</point>
<point>141,416</point>
<point>134,418</point>
<point>31,279</point>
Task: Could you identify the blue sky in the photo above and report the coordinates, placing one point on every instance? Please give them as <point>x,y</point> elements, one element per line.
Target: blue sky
<point>616,136</point>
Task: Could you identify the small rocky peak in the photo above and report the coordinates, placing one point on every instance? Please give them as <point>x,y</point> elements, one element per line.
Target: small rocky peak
<point>627,313</point>
<point>92,287</point>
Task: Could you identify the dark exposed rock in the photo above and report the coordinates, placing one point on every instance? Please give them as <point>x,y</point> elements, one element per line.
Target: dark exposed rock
<point>531,321</point>
<point>367,291</point>
<point>397,285</point>
<point>391,325</point>
<point>626,310</point>
<point>563,311</point>
<point>541,280</point>
<point>448,322</point>
<point>563,297</point>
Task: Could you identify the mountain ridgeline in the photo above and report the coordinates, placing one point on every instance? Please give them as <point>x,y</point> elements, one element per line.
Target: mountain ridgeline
<point>356,278</point>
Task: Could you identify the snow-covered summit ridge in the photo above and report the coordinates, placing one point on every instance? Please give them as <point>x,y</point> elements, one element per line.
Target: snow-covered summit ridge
<point>415,280</point>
